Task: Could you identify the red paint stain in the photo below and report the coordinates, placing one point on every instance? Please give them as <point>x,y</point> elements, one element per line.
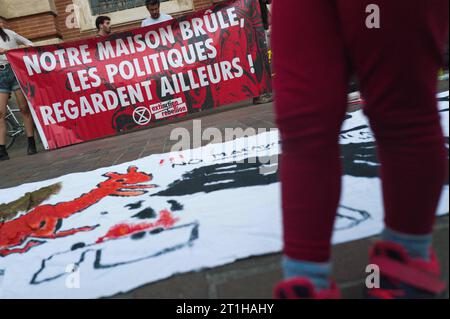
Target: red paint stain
<point>166,220</point>
<point>42,221</point>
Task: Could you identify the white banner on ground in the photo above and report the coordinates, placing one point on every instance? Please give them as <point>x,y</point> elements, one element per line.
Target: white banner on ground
<point>117,228</point>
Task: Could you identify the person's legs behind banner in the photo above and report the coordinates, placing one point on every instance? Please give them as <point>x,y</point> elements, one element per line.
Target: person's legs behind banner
<point>9,84</point>
<point>27,121</point>
<point>4,96</point>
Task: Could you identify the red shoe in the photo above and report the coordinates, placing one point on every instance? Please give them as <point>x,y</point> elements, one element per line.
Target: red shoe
<point>302,288</point>
<point>402,277</point>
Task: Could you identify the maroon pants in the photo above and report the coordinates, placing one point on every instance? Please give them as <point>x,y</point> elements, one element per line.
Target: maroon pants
<point>317,46</point>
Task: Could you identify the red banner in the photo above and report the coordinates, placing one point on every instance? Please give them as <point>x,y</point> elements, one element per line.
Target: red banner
<point>87,89</point>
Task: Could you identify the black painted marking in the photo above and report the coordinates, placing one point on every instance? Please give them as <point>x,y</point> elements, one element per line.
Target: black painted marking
<point>357,217</point>
<point>360,159</point>
<point>58,225</point>
<point>98,257</point>
<point>145,214</point>
<point>78,246</point>
<point>175,206</point>
<point>35,281</point>
<point>139,235</point>
<point>354,129</point>
<point>97,263</point>
<point>218,177</point>
<point>156,231</point>
<point>135,205</point>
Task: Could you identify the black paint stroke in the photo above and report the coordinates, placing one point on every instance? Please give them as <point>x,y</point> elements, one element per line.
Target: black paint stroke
<point>136,205</point>
<point>355,216</point>
<point>145,213</point>
<point>193,236</point>
<point>175,206</point>
<point>219,177</point>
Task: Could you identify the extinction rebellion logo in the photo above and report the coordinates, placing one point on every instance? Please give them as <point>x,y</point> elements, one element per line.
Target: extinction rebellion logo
<point>161,110</point>
<point>142,116</point>
<point>168,108</point>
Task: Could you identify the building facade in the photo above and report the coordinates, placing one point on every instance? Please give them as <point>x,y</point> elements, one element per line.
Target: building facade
<point>55,21</point>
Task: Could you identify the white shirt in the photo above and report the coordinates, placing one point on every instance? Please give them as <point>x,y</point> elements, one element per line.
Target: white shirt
<point>162,17</point>
<point>14,41</point>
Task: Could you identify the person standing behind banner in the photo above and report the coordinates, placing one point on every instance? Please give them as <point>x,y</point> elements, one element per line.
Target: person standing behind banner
<point>8,84</point>
<point>156,16</point>
<point>103,24</point>
<point>266,97</point>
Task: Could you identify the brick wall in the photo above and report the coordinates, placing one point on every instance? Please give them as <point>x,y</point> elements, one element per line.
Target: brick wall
<point>48,26</point>
<point>67,34</point>
<point>37,27</point>
<point>201,4</point>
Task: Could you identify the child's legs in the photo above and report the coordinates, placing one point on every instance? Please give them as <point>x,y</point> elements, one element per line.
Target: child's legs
<point>397,67</point>
<point>311,96</point>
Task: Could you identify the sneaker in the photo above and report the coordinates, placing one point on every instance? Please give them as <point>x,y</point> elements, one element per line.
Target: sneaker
<point>302,288</point>
<point>402,277</point>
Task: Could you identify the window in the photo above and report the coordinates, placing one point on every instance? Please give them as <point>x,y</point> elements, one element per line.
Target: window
<point>107,6</point>
<point>123,12</point>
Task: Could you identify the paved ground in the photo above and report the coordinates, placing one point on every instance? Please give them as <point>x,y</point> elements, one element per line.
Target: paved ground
<point>249,278</point>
